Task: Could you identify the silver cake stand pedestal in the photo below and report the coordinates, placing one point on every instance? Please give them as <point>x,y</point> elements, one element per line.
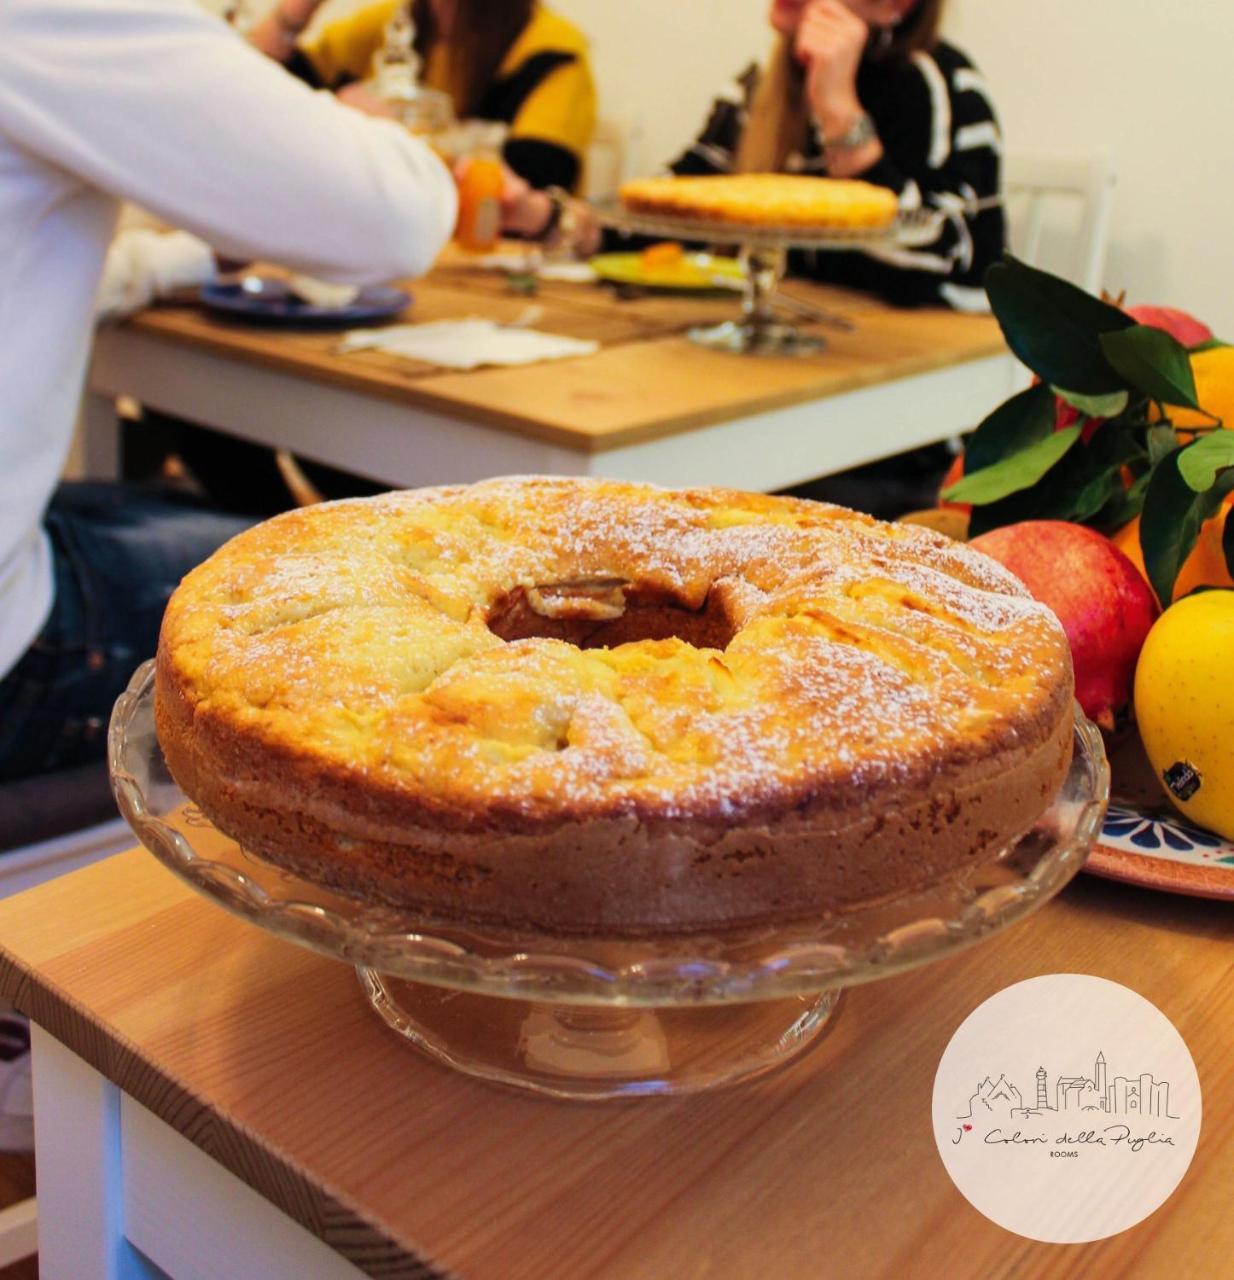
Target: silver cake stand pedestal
<point>605,1017</point>
<point>763,251</point>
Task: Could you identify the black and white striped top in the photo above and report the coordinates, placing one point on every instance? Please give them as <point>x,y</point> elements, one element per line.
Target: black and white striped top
<point>942,149</point>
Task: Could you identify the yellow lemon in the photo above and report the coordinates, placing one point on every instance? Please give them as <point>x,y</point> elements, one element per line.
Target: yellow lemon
<point>1184,703</point>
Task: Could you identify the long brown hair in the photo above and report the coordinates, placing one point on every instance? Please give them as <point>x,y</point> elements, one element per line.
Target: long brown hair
<point>483,31</point>
<point>779,115</point>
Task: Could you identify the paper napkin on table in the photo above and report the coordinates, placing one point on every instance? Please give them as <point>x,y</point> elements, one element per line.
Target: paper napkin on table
<point>467,344</point>
<point>564,271</point>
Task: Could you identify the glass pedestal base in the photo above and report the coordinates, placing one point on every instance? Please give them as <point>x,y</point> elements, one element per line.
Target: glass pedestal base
<point>596,1051</point>
<point>607,1016</point>
<point>757,338</point>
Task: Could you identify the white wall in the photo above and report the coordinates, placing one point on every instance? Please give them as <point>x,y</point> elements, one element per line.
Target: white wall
<point>659,63</point>
<point>1149,79</point>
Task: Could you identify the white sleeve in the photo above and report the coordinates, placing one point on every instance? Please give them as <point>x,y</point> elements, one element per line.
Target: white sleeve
<point>157,102</point>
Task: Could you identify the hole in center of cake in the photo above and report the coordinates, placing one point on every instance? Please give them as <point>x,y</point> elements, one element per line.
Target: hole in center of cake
<point>601,612</point>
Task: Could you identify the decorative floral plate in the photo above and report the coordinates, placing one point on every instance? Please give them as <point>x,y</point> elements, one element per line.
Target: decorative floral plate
<point>1145,841</point>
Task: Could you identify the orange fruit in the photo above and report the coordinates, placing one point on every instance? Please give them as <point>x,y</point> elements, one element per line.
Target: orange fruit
<point>1213,371</point>
<point>942,519</point>
<point>1204,567</point>
<point>667,253</point>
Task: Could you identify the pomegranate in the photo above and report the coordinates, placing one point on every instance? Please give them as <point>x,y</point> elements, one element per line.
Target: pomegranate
<point>1104,604</point>
<point>1178,324</point>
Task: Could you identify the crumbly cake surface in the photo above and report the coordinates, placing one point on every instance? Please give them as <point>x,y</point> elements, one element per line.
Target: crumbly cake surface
<point>573,704</point>
<point>765,199</point>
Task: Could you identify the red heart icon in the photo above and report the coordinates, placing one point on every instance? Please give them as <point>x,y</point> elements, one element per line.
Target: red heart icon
<point>967,1127</point>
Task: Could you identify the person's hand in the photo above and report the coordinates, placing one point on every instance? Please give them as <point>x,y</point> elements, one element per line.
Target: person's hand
<point>297,14</point>
<point>587,234</point>
<point>830,42</point>
<point>525,212</point>
<point>360,97</point>
<point>276,34</point>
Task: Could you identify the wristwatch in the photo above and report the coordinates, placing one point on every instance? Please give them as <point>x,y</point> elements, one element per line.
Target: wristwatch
<point>857,134</point>
<point>562,224</point>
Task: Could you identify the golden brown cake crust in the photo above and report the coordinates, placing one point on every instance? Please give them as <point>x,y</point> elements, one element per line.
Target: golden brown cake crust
<point>445,699</point>
<point>764,199</point>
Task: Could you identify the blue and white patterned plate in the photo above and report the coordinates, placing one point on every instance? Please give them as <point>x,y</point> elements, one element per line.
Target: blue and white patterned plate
<point>1160,849</point>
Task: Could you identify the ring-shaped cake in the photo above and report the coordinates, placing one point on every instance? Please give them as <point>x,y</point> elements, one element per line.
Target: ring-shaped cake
<point>583,706</point>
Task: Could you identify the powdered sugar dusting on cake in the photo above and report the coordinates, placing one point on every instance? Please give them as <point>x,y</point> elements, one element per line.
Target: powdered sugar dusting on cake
<point>859,644</point>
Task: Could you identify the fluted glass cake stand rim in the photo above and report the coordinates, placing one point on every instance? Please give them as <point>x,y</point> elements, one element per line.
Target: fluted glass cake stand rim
<point>799,958</point>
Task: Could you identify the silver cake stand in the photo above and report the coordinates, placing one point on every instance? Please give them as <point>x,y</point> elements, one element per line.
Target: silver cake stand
<point>602,1017</point>
<point>763,251</point>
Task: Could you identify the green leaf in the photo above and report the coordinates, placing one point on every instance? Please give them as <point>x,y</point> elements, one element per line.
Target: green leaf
<point>1161,442</point>
<point>1054,327</point>
<point>1063,492</point>
<point>1200,462</point>
<point>1211,345</point>
<point>1095,480</point>
<point>1153,362</point>
<point>1107,406</point>
<point>1169,526</point>
<point>1116,513</point>
<point>1131,505</point>
<point>1016,423</point>
<point>1096,495</point>
<point>1021,470</point>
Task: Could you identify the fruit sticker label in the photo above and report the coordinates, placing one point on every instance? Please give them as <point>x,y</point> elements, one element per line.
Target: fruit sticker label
<point>1066,1108</point>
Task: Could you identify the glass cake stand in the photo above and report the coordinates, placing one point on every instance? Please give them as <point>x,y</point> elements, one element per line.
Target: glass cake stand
<point>583,1017</point>
<point>764,252</point>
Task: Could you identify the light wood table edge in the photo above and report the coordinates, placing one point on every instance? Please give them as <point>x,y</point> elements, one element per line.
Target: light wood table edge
<point>412,392</point>
<point>419,390</point>
<point>363,1241</point>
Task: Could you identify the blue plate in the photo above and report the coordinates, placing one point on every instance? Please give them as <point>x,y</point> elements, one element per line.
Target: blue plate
<point>267,301</point>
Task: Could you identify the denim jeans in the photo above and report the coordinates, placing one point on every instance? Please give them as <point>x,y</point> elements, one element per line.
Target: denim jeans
<point>119,551</point>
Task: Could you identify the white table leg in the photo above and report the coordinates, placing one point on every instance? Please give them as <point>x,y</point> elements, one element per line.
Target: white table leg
<point>110,1173</point>
<point>77,1165</point>
<point>100,437</point>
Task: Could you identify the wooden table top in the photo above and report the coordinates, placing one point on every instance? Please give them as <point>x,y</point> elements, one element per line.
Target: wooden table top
<point>646,381</point>
<point>826,1168</point>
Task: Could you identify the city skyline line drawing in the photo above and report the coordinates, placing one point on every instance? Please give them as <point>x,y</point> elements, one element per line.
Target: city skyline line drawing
<point>1121,1095</point>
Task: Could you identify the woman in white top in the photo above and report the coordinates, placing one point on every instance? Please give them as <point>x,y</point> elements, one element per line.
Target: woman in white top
<point>156,102</point>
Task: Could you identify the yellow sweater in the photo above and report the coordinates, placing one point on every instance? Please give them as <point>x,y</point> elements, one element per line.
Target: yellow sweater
<point>543,89</point>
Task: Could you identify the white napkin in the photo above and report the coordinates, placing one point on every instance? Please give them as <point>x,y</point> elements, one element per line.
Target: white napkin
<point>467,344</point>
<point>143,264</point>
<point>565,272</point>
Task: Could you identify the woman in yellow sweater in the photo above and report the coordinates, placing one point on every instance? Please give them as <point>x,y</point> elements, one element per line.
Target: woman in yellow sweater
<point>513,61</point>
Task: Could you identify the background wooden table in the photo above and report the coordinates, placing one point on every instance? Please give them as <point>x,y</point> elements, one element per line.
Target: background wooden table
<point>649,405</point>
<point>266,1057</point>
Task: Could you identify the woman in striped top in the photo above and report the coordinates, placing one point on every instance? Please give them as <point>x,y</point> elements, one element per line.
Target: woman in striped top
<point>866,89</point>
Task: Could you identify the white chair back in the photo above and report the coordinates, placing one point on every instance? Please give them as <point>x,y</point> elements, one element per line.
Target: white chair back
<point>1058,211</point>
<point>611,158</point>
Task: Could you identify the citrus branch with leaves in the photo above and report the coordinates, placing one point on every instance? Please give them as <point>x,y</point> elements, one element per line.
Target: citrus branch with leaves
<point>1123,455</point>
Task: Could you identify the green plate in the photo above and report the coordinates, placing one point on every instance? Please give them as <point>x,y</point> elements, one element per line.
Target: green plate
<point>692,271</point>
